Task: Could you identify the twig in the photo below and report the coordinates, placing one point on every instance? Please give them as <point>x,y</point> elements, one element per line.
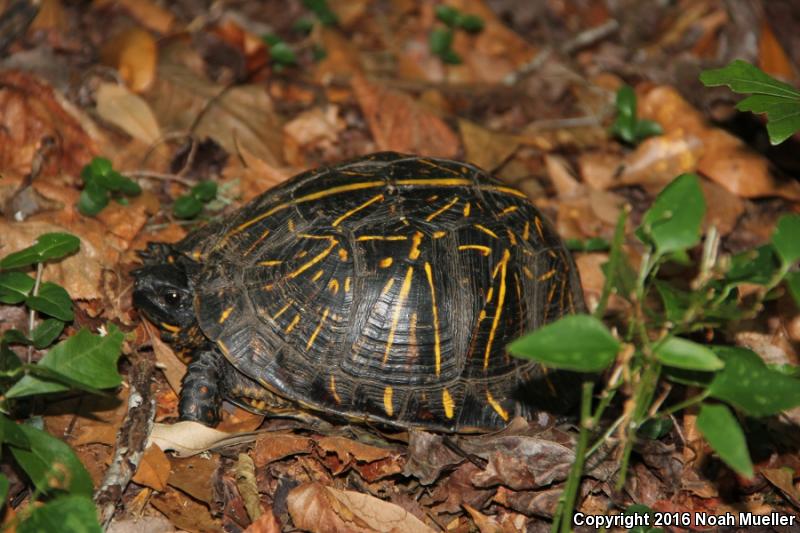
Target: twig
<point>147,174</point>
<point>32,312</point>
<point>131,439</point>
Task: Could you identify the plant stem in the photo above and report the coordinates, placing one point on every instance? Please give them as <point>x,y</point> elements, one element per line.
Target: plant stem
<point>684,404</point>
<point>614,259</point>
<point>32,312</point>
<point>567,504</point>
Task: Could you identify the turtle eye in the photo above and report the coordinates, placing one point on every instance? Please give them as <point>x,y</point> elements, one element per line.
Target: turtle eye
<point>172,298</point>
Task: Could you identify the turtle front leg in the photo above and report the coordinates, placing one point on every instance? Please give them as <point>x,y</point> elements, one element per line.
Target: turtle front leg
<point>201,394</point>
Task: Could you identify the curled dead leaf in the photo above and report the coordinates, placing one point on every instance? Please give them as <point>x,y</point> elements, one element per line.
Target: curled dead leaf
<point>132,114</point>
<point>322,509</point>
<point>134,54</point>
<point>274,446</point>
<point>190,438</point>
<point>485,148</point>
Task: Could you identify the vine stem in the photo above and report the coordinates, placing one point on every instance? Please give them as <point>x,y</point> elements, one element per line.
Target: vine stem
<point>32,313</point>
<point>562,522</point>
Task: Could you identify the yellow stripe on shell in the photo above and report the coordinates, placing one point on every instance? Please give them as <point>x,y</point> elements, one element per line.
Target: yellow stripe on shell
<point>447,403</point>
<point>225,314</point>
<point>387,400</point>
<point>437,342</point>
<point>313,337</point>
<point>404,290</point>
<point>282,309</point>
<point>501,296</point>
<point>416,239</point>
<point>377,198</point>
<point>170,327</point>
<point>496,406</point>
<point>547,275</point>
<point>293,323</point>
<point>486,230</point>
<point>381,238</point>
<point>335,394</point>
<point>447,206</point>
<point>385,262</point>
<point>485,250</point>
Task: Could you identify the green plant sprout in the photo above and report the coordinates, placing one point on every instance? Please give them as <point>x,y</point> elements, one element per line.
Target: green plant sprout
<point>101,183</point>
<point>627,126</point>
<point>440,40</point>
<point>191,204</point>
<point>83,361</point>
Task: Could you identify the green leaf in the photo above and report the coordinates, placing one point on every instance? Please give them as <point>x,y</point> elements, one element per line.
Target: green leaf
<point>594,244</point>
<point>90,361</point>
<point>655,428</point>
<point>450,57</point>
<point>282,53</point>
<point>52,300</point>
<point>786,238</point>
<point>93,199</point>
<point>575,342</point>
<point>303,25</point>
<point>626,101</point>
<point>747,383</point>
<point>116,182</point>
<point>205,191</point>
<point>719,427</point>
<point>440,40</point>
<point>15,287</point>
<point>15,336</point>
<point>48,247</point>
<point>624,128</point>
<point>673,221</point>
<point>9,362</point>
<point>51,464</point>
<point>793,282</point>
<point>683,353</point>
<point>99,166</point>
<point>322,11</point>
<point>271,39</point>
<point>675,301</point>
<point>753,266</point>
<point>470,23</point>
<point>187,207</point>
<point>447,14</point>
<point>645,129</point>
<point>11,434</point>
<point>780,101</point>
<point>3,488</point>
<point>45,333</point>
<point>65,514</point>
<point>42,380</point>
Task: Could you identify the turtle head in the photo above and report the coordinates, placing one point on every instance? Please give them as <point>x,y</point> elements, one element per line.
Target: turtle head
<point>163,292</point>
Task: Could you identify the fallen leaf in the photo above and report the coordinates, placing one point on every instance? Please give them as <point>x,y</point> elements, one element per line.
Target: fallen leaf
<point>266,523</point>
<point>51,16</point>
<point>723,208</point>
<point>146,13</point>
<point>341,57</point>
<point>561,176</point>
<point>485,148</point>
<point>245,475</point>
<point>134,54</point>
<point>141,524</point>
<point>599,169</point>
<point>524,463</point>
<point>321,509</point>
<point>274,446</point>
<point>658,160</point>
<point>772,57</point>
<point>398,123</point>
<point>240,115</point>
<point>428,457</point>
<point>486,524</point>
<point>128,111</point>
<point>153,469</point>
<point>194,476</point>
<point>185,513</point>
<point>173,368</point>
<point>189,438</point>
<point>318,128</point>
<point>30,112</point>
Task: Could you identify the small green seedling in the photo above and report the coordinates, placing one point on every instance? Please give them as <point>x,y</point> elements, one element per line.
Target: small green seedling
<point>280,51</point>
<point>780,101</point>
<point>322,11</point>
<point>101,183</point>
<point>441,38</point>
<point>627,126</point>
<point>191,204</point>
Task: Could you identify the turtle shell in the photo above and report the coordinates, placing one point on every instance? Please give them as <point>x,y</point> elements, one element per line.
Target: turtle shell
<point>385,289</point>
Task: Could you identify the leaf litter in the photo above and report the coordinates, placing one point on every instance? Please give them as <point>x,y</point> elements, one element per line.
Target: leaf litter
<point>372,83</point>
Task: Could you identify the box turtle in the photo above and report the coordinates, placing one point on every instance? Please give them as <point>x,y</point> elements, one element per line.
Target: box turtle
<point>382,290</point>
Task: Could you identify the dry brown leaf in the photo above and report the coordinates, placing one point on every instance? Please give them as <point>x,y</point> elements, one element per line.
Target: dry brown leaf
<point>266,523</point>
<point>341,59</point>
<point>239,116</point>
<point>561,176</point>
<point>245,476</point>
<point>254,174</point>
<point>599,169</point>
<point>51,16</point>
<point>349,449</point>
<point>723,208</point>
<point>30,112</point>
<point>274,446</point>
<point>146,13</point>
<point>398,123</point>
<point>316,128</point>
<point>142,524</point>
<point>722,157</point>
<point>772,57</point>
<point>173,368</point>
<point>128,111</point>
<point>484,148</point>
<point>134,54</point>
<point>321,509</point>
<point>153,469</point>
<point>486,524</point>
<point>657,160</point>
<point>194,476</point>
<point>190,438</point>
<point>126,221</point>
<point>185,513</point>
